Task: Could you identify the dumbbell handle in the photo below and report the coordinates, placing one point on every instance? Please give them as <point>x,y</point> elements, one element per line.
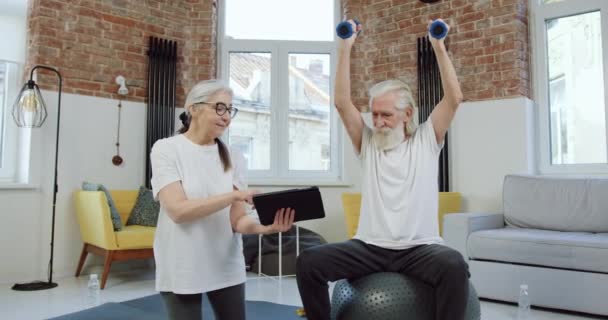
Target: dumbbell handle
<point>345,29</point>
<point>438,29</point>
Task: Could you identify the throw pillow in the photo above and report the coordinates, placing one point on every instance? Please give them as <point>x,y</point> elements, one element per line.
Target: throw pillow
<point>145,211</point>
<point>116,223</point>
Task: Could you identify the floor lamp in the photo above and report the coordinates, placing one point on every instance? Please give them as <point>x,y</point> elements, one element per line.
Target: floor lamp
<point>29,111</point>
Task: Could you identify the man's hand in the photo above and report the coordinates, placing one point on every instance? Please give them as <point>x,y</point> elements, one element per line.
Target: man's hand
<point>356,28</point>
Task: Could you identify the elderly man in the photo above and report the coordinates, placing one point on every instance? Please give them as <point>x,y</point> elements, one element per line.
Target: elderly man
<point>398,229</point>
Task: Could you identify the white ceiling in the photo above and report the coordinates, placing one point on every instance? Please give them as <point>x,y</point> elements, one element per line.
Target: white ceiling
<point>13,8</point>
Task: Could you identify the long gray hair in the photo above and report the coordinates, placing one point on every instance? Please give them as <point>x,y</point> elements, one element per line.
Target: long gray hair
<point>202,92</point>
<point>404,100</point>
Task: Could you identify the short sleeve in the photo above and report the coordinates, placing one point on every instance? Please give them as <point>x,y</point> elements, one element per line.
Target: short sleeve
<point>427,137</point>
<point>239,172</point>
<point>164,166</point>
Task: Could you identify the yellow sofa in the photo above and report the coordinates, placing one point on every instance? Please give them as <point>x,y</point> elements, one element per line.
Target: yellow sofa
<point>449,202</point>
<point>98,235</point>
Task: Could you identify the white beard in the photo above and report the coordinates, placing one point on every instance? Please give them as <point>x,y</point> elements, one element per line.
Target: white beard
<point>388,138</point>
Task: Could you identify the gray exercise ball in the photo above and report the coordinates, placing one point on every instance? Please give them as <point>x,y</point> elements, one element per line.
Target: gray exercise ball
<point>390,296</point>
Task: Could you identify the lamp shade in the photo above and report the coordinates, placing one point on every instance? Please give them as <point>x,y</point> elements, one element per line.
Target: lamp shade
<point>29,110</point>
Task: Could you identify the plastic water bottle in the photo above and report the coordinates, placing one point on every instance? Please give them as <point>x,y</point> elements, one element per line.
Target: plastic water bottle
<point>523,310</point>
<point>93,291</point>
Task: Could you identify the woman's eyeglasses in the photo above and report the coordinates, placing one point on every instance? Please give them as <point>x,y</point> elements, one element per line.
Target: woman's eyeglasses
<point>221,108</point>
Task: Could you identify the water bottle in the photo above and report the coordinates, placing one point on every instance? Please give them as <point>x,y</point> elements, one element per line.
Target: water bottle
<point>93,291</point>
<point>523,310</point>
<point>438,29</point>
<point>345,29</point>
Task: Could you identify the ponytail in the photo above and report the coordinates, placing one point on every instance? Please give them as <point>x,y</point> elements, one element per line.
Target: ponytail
<point>224,154</point>
<point>185,118</point>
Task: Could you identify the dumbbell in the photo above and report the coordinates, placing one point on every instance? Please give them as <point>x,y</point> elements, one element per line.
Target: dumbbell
<point>345,29</point>
<point>438,29</point>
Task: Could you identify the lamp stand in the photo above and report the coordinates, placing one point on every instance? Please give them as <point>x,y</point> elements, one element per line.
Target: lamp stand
<point>40,285</point>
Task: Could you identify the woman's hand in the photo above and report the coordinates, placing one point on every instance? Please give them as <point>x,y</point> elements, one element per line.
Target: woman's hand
<point>283,220</point>
<point>245,195</point>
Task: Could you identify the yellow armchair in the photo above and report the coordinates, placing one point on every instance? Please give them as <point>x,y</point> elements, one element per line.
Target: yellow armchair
<point>98,235</point>
<point>449,202</point>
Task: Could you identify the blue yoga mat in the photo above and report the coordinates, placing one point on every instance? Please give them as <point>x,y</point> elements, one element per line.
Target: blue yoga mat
<point>152,308</point>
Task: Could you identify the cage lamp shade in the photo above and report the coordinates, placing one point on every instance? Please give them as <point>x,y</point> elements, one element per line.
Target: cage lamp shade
<point>29,110</point>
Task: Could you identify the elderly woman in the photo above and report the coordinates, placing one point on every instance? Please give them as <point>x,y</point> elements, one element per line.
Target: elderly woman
<point>198,246</point>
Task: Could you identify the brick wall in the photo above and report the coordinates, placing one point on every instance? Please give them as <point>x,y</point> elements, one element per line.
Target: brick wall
<point>93,41</point>
<point>488,44</point>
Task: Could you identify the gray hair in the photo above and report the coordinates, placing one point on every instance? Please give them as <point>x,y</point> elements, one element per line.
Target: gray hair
<point>404,99</point>
<point>202,91</point>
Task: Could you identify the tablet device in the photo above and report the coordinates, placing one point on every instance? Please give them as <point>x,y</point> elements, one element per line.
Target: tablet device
<point>306,202</point>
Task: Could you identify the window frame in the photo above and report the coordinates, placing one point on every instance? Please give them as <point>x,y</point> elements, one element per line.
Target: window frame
<point>10,136</point>
<point>540,13</point>
<point>279,173</point>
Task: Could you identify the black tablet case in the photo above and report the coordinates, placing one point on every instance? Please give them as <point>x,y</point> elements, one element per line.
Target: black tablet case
<point>306,202</point>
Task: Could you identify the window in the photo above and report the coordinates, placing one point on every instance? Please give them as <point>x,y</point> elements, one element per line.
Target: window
<point>570,45</point>
<point>309,110</point>
<point>281,68</point>
<point>9,77</point>
<point>243,145</point>
<point>3,74</point>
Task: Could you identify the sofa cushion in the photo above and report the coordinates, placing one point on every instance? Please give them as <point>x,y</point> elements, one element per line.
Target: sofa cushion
<point>114,214</point>
<point>146,209</point>
<point>124,201</point>
<point>135,237</point>
<point>560,204</point>
<point>568,250</point>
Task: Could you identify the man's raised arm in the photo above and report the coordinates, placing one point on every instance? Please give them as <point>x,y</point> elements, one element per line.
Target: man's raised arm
<point>350,115</point>
<point>445,110</point>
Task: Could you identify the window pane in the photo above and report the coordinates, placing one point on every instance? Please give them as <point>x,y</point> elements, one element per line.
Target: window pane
<point>244,145</point>
<point>280,19</point>
<point>576,90</point>
<point>3,107</point>
<point>250,81</point>
<point>309,110</point>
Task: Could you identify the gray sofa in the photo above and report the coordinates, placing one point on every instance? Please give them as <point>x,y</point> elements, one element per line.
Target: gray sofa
<point>552,235</point>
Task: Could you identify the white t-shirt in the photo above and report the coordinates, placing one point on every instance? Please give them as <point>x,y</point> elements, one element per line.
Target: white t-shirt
<point>399,193</point>
<point>205,254</point>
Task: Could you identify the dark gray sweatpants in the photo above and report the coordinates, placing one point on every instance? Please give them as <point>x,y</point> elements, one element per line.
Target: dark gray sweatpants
<point>228,304</point>
<point>441,267</point>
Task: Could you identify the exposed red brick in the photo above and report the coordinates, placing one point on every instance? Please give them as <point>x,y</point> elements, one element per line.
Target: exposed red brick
<point>488,44</point>
<point>94,41</point>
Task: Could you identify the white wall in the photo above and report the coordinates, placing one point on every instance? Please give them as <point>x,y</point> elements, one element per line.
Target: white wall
<point>21,225</point>
<point>488,140</point>
<point>87,137</point>
<point>12,46</point>
<point>20,236</point>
